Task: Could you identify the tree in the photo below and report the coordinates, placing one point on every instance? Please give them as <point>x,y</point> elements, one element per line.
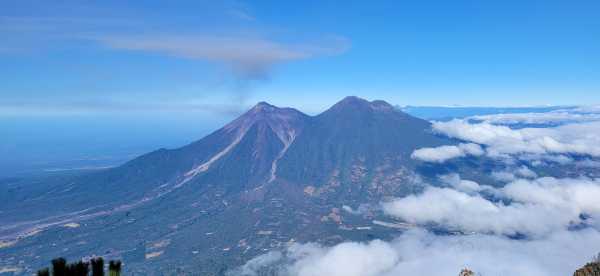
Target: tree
<point>70,271</point>
<point>97,266</point>
<point>114,268</point>
<point>43,272</point>
<point>82,268</point>
<point>59,267</point>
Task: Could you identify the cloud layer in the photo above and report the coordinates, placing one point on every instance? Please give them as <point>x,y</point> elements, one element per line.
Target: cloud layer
<point>581,138</point>
<point>418,252</point>
<point>551,136</point>
<point>442,153</point>
<point>553,144</point>
<point>555,218</point>
<point>537,207</point>
<point>557,117</point>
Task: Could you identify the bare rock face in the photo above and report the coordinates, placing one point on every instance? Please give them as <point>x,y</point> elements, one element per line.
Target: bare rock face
<point>590,269</point>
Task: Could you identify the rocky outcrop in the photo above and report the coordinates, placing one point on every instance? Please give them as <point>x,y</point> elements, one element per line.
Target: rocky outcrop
<point>466,272</point>
<point>590,269</point>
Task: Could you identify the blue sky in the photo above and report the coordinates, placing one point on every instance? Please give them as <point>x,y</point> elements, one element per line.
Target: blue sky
<point>75,76</point>
<point>112,56</point>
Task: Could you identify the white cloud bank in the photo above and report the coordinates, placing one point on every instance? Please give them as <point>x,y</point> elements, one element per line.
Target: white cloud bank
<point>544,209</point>
<point>514,174</point>
<point>580,138</point>
<point>537,207</point>
<point>528,143</point>
<point>443,153</point>
<point>556,117</point>
<point>418,252</point>
<point>573,131</point>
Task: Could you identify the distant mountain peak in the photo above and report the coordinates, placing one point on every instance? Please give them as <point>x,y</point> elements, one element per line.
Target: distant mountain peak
<point>353,100</point>
<point>264,106</point>
<point>354,104</point>
<point>382,105</point>
<point>285,122</point>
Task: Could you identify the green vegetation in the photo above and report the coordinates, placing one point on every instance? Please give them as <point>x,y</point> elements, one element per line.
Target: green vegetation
<point>43,272</point>
<point>60,267</point>
<point>114,268</point>
<point>97,267</point>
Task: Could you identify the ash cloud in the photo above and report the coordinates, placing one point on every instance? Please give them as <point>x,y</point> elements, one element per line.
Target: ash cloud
<point>243,55</point>
<point>249,58</point>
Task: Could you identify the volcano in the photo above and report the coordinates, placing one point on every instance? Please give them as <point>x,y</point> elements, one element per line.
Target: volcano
<point>271,177</point>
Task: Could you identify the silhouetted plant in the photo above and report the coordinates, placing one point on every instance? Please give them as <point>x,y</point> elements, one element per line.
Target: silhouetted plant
<point>97,266</point>
<point>43,272</point>
<point>59,267</point>
<point>82,268</point>
<point>71,270</point>
<point>114,268</point>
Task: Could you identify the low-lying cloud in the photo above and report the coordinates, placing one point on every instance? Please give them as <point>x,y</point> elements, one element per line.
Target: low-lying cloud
<point>536,207</point>
<point>442,153</point>
<point>418,252</point>
<point>555,220</point>
<point>556,117</point>
<point>514,174</point>
<point>581,138</point>
<point>553,144</point>
<point>534,137</point>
